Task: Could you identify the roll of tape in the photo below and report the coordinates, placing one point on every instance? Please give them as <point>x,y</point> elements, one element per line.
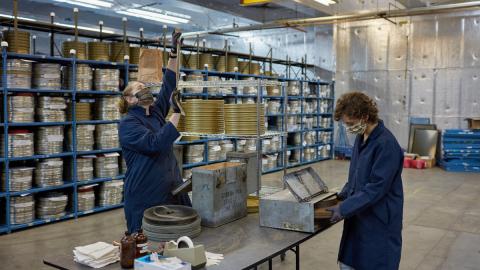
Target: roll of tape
<point>186,240</point>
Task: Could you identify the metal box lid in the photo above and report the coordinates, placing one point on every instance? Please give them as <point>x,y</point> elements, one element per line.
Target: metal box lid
<point>305,184</point>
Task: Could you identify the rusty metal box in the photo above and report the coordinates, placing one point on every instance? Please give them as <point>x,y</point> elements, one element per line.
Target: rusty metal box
<point>220,192</point>
<point>294,208</point>
<point>251,159</point>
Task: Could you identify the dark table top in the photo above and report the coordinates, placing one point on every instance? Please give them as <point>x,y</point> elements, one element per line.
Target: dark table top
<point>243,244</point>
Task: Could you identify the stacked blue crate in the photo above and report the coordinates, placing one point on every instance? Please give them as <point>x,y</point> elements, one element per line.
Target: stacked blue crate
<point>461,150</point>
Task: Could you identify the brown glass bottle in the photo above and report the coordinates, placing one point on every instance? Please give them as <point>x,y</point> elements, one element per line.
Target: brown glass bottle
<point>127,251</point>
<point>141,244</point>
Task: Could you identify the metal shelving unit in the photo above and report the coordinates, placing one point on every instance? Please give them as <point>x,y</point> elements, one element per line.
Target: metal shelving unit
<point>284,97</point>
<point>70,185</point>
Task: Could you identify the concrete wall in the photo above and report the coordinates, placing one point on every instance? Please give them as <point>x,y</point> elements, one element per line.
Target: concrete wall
<point>420,67</point>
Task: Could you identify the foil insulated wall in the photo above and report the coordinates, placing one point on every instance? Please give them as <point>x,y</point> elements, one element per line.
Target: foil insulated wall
<point>426,66</point>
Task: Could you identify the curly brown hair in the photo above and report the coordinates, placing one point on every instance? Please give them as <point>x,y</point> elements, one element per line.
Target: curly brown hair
<point>356,105</point>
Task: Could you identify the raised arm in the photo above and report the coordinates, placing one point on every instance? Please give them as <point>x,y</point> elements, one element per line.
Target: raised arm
<point>170,77</point>
<point>136,137</point>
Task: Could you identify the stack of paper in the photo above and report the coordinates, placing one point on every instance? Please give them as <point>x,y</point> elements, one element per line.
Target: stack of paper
<point>96,255</point>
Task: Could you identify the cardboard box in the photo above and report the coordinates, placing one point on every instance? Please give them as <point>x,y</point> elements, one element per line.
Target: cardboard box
<point>473,123</point>
<point>429,162</point>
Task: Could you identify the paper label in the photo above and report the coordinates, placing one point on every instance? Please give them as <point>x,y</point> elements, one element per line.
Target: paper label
<point>25,204</point>
<point>116,154</point>
<point>54,138</point>
<point>23,110</point>
<point>58,199</point>
<point>266,142</point>
<point>54,163</point>
<point>51,76</point>
<point>111,166</point>
<point>21,179</point>
<point>216,148</point>
<point>115,184</point>
<point>21,142</point>
<point>56,106</point>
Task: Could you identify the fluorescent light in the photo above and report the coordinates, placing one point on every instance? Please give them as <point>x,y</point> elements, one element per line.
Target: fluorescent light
<point>85,28</point>
<point>21,18</point>
<point>326,2</point>
<point>156,15</point>
<point>77,4</point>
<point>129,13</point>
<point>88,3</point>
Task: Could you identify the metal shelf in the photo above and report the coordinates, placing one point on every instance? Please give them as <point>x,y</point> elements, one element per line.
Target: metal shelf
<point>99,180</point>
<point>38,124</point>
<point>30,90</point>
<point>99,209</point>
<point>3,194</point>
<point>3,228</point>
<point>101,151</point>
<point>97,122</point>
<point>40,58</point>
<point>40,222</point>
<point>99,92</point>
<point>65,154</point>
<point>42,189</point>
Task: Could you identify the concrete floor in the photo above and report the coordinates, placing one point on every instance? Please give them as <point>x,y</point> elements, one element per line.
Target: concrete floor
<point>441,226</point>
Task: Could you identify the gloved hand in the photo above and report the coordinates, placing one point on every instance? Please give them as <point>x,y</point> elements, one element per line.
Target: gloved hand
<point>175,103</point>
<point>336,216</point>
<point>176,40</point>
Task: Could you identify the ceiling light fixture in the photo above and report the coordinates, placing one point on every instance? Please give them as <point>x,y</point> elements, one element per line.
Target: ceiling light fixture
<point>149,16</point>
<point>136,15</point>
<point>326,2</point>
<point>85,28</point>
<point>142,12</point>
<point>88,3</point>
<point>21,18</point>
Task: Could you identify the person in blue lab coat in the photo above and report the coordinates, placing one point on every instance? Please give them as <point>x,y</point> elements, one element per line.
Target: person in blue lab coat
<point>147,139</point>
<point>372,199</point>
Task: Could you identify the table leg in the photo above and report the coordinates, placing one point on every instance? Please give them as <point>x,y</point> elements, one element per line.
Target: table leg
<point>270,267</point>
<point>297,257</point>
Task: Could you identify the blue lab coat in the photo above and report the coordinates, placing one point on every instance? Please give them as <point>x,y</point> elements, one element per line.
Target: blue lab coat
<point>373,203</point>
<point>147,146</point>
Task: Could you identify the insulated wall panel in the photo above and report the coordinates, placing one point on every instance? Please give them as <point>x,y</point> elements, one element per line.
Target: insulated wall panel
<point>376,87</point>
<point>471,54</point>
<point>470,93</point>
<point>423,44</point>
<point>342,48</point>
<point>398,82</point>
<point>377,47</point>
<point>449,43</point>
<point>447,98</point>
<point>397,47</point>
<point>358,48</point>
<point>421,94</point>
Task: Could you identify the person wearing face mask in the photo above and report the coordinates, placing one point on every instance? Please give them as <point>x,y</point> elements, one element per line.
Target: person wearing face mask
<point>147,139</point>
<point>372,199</point>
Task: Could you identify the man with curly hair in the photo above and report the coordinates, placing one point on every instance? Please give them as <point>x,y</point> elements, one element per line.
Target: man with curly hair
<point>372,199</point>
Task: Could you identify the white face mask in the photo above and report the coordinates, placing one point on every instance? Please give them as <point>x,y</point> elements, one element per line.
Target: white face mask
<point>358,128</point>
